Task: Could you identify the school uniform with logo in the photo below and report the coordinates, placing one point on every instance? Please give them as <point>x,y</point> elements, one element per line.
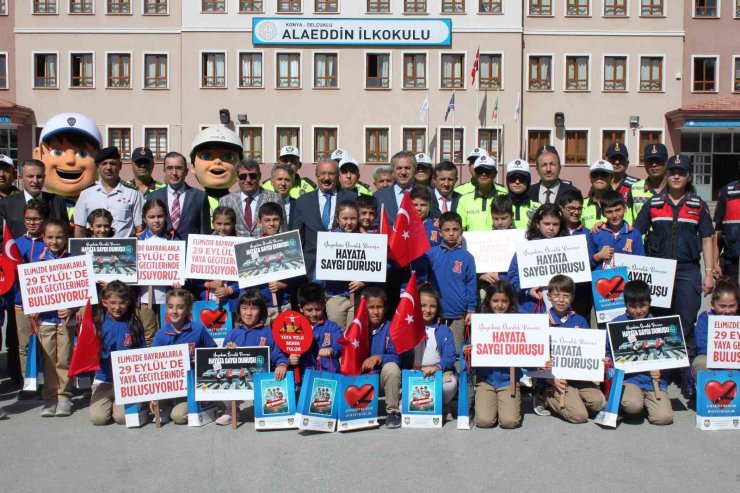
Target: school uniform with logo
<point>701,330</point>
<point>326,334</point>
<point>627,240</point>
<point>381,345</point>
<point>438,349</point>
<point>259,335</point>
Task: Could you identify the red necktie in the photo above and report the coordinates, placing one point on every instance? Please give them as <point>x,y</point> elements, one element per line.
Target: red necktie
<point>175,213</point>
<point>444,204</point>
<point>248,213</point>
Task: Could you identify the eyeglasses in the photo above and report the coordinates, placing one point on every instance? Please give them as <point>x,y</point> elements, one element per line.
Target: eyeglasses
<point>574,210</point>
<point>251,176</point>
<point>33,220</point>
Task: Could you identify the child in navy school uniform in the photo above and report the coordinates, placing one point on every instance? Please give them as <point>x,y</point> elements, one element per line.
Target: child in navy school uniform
<point>119,329</point>
<point>179,330</point>
<point>638,392</point>
<point>368,206</point>
<point>725,301</point>
<point>383,356</point>
<point>615,235</point>
<point>421,197</point>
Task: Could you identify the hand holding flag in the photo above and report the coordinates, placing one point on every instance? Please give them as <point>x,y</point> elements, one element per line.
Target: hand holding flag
<point>356,342</point>
<point>10,258</point>
<point>408,238</point>
<point>407,326</point>
<point>86,354</point>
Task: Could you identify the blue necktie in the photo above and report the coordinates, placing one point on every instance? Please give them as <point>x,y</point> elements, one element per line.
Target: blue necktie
<point>326,215</point>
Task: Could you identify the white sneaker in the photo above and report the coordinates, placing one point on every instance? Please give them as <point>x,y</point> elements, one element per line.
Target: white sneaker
<point>49,410</point>
<point>525,381</point>
<point>538,403</point>
<point>64,409</point>
<point>224,420</point>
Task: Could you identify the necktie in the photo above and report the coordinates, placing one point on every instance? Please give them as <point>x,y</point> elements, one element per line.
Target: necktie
<point>548,196</point>
<point>326,214</point>
<point>248,213</point>
<point>444,204</point>
<point>175,213</point>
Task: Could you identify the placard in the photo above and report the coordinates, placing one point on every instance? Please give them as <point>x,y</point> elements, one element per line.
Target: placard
<point>422,399</point>
<point>274,402</point>
<point>212,257</point>
<point>493,250</point>
<point>113,259</point>
<point>509,340</point>
<point>539,260</point>
<point>214,318</point>
<point>351,257</point>
<point>57,284</point>
<point>227,374</point>
<point>150,374</point>
<point>659,273</point>
<point>576,354</point>
<point>723,343</point>
<point>648,344</point>
<point>160,262</point>
<point>607,287</point>
<point>272,258</point>
<point>716,400</point>
<point>358,402</point>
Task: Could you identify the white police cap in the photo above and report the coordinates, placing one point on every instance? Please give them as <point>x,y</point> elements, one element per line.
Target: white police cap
<point>291,151</point>
<point>485,162</point>
<point>346,160</point>
<point>337,155</point>
<point>217,134</point>
<point>477,152</point>
<point>424,159</point>
<point>601,165</point>
<point>518,166</point>
<point>71,122</point>
<point>6,160</point>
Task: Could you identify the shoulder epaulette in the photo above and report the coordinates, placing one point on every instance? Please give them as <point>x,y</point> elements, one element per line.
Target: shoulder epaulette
<point>567,182</point>
<point>130,184</point>
<point>363,184</point>
<point>306,180</point>
<point>630,180</point>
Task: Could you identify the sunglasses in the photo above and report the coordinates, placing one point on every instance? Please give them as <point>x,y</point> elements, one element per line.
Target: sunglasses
<point>485,171</point>
<point>517,178</point>
<point>250,176</point>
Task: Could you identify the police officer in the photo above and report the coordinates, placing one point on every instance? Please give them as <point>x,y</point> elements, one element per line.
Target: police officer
<point>349,175</point>
<point>424,168</point>
<point>469,186</point>
<point>600,174</point>
<point>678,226</point>
<point>291,155</point>
<point>727,224</point>
<point>339,154</point>
<point>655,166</point>
<point>618,156</point>
<point>142,165</point>
<point>518,180</point>
<point>474,207</point>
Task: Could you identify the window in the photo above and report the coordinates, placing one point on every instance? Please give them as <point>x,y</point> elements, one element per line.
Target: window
<point>81,69</point>
<point>737,8</point>
<point>650,8</point>
<point>540,7</point>
<point>81,6</point>
<point>576,147</point>
<point>3,71</point>
<point>155,71</point>
<point>648,137</point>
<point>119,70</point>
<point>490,6</point>
<point>376,145</point>
<point>615,73</point>
<point>705,8</point>
<point>453,6</point>
<point>45,70</point>
<point>651,73</point>
<point>414,140</point>
<point>9,142</point>
<point>3,7</point>
<point>377,71</point>
<point>213,6</point>
<point>576,73</point>
<point>325,70</point>
<point>324,142</point>
<point>326,6</point>
<point>488,139</point>
<point>121,138</point>
<point>379,6</point>
<point>213,70</point>
<point>250,70</point>
<point>705,74</point>
<point>155,7</point>
<point>736,77</point>
<point>609,137</point>
<point>249,6</point>
<point>615,8</point>
<point>119,6</point>
<point>287,136</point>
<point>490,71</point>
<point>415,6</point>
<point>577,8</point>
<point>535,140</point>
<point>288,6</point>
<point>540,73</point>
<point>288,71</point>
<point>414,71</point>
<point>44,6</point>
<point>451,148</point>
<point>453,71</point>
<point>156,140</point>
<point>252,142</point>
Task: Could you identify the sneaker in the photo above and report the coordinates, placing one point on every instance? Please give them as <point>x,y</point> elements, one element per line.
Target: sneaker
<point>393,421</point>
<point>49,410</point>
<point>64,409</point>
<point>526,381</point>
<point>224,420</point>
<point>538,403</point>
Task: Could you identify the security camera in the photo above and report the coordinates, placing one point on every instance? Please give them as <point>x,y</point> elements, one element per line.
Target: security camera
<point>225,116</point>
<point>560,119</point>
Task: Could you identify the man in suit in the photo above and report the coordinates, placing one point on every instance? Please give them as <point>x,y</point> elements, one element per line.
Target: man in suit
<point>444,198</point>
<point>315,210</point>
<point>281,178</point>
<point>188,211</point>
<point>550,186</point>
<point>247,201</point>
<point>404,169</point>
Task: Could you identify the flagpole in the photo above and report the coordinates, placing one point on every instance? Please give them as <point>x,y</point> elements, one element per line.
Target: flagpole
<point>498,134</point>
<point>429,104</point>
<point>454,110</point>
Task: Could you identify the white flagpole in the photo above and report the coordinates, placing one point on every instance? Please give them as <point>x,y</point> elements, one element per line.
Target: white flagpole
<point>498,132</point>
<point>429,104</point>
<point>454,110</point>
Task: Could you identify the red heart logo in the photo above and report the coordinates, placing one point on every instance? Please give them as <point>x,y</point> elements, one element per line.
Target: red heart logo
<point>213,319</point>
<point>610,289</point>
<point>359,397</point>
<point>721,394</point>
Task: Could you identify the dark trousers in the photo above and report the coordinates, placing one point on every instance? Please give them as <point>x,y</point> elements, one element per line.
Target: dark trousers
<point>730,269</point>
<point>686,301</point>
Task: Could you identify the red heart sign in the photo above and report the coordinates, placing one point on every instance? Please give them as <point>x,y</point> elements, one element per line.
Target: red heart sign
<point>610,289</point>
<point>359,397</point>
<point>721,394</point>
<point>292,332</point>
<point>213,319</point>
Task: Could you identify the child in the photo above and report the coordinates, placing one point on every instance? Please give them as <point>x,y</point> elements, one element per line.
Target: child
<point>178,330</point>
<point>252,331</point>
<point>437,351</point>
<point>615,235</point>
<point>502,216</point>
<point>580,397</point>
<point>100,224</point>
<point>368,205</point>
<point>638,392</point>
<point>383,354</point>
<point>571,203</point>
<point>725,299</point>
<point>454,269</point>
<point>325,348</point>
<point>422,199</point>
<point>119,329</point>
<point>56,330</point>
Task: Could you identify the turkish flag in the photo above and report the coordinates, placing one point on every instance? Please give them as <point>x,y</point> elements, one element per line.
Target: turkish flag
<point>356,342</point>
<point>10,248</point>
<point>385,229</point>
<point>408,239</point>
<point>407,326</point>
<point>10,257</point>
<point>86,354</point>
<point>476,65</point>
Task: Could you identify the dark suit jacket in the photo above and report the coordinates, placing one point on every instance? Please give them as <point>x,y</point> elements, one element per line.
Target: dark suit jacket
<point>534,191</point>
<point>435,211</point>
<point>290,213</point>
<point>306,218</point>
<point>195,212</point>
<point>11,209</point>
<point>387,196</point>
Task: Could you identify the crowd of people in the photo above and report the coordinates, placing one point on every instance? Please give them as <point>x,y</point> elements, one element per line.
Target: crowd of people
<point>659,216</point>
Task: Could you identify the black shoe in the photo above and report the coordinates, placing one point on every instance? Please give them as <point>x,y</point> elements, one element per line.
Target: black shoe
<point>393,421</point>
<point>26,396</point>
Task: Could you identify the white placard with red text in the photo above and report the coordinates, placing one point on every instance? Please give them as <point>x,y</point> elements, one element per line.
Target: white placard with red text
<point>150,374</point>
<point>509,340</point>
<point>57,284</point>
<point>493,250</point>
<point>212,257</point>
<point>160,262</point>
<point>723,342</point>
